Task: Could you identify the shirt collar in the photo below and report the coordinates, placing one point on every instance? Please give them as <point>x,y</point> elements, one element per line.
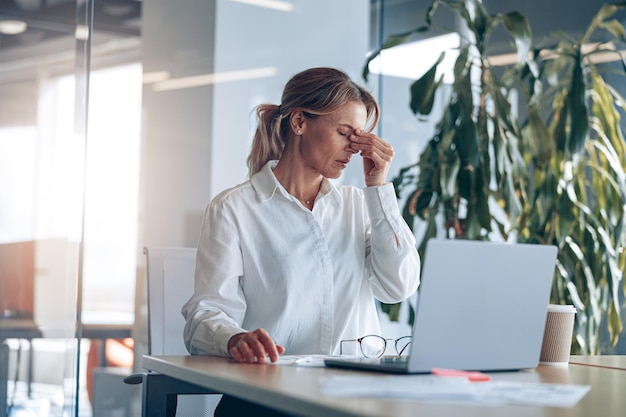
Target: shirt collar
<point>266,184</point>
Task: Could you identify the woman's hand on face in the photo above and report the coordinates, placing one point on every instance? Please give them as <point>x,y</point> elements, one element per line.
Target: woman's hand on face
<point>377,156</point>
<point>254,347</point>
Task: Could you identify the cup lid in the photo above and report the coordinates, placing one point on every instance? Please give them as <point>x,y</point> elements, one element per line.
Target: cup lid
<point>559,308</point>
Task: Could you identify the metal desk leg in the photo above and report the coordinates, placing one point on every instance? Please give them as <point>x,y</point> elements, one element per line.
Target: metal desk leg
<point>30,369</point>
<point>103,353</point>
<point>4,377</point>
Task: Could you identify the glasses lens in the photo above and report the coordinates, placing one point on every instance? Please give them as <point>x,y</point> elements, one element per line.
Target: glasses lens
<point>402,345</point>
<point>373,346</point>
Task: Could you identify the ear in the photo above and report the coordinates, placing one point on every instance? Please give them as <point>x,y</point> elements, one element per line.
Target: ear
<point>297,121</point>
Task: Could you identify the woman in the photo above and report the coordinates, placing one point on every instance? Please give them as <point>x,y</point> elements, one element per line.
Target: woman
<point>289,262</point>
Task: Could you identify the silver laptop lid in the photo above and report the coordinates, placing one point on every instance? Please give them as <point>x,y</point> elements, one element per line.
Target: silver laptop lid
<point>481,305</point>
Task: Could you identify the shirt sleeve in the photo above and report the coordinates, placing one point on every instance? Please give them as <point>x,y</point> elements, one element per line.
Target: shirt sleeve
<point>392,259</point>
<point>216,310</point>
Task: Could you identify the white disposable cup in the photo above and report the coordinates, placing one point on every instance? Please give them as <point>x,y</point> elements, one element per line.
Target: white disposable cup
<point>557,337</point>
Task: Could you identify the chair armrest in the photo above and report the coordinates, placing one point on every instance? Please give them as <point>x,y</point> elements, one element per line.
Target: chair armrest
<point>134,379</point>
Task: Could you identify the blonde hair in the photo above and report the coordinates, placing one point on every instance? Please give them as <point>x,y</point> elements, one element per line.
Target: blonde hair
<point>315,92</point>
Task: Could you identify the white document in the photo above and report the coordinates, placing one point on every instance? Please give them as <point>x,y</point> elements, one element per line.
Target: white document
<point>314,361</point>
<point>434,388</point>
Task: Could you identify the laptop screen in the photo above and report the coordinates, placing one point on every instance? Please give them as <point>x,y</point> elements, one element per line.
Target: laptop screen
<point>482,305</point>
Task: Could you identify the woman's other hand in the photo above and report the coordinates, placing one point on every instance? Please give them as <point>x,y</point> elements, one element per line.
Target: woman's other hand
<point>377,156</point>
<point>254,347</point>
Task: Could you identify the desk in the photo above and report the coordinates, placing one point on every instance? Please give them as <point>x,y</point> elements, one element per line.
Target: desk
<point>106,331</point>
<point>295,389</point>
<point>103,332</point>
<point>19,329</point>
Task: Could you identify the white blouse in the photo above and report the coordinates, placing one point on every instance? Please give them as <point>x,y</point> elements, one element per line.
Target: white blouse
<point>310,278</point>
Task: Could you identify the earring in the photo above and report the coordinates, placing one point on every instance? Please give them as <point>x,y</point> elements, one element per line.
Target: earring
<point>299,132</point>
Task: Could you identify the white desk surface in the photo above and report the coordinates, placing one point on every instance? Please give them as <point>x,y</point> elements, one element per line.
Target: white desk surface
<point>296,389</point>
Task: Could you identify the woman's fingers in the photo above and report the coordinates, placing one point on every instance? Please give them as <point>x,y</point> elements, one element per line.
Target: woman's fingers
<point>377,156</point>
<point>254,347</point>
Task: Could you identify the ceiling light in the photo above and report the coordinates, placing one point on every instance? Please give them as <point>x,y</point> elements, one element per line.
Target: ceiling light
<point>12,27</point>
<point>156,76</point>
<point>283,6</point>
<point>412,60</point>
<point>214,78</point>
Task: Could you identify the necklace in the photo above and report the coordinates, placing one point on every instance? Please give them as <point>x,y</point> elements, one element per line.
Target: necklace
<point>307,201</point>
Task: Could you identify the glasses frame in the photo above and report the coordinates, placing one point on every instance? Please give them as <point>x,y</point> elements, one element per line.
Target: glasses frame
<point>384,341</point>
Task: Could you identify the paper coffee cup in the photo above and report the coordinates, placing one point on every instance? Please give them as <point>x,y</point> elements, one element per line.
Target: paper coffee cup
<point>557,337</point>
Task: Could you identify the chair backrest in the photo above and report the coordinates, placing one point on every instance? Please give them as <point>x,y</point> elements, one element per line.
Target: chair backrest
<point>170,284</point>
<point>171,273</point>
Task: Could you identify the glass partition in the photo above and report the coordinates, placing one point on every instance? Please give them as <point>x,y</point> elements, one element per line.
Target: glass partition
<point>66,241</point>
<point>41,183</point>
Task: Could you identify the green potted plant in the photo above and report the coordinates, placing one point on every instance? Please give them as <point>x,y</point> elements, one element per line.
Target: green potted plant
<point>555,176</point>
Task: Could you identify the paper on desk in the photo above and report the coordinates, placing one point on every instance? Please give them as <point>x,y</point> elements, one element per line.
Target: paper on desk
<point>315,361</point>
<point>433,388</point>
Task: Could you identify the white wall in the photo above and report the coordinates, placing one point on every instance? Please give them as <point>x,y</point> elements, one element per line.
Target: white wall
<point>177,37</point>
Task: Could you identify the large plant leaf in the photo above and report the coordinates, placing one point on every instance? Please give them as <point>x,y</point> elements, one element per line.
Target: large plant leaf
<point>424,89</point>
<point>518,26</point>
<point>614,323</point>
<point>481,24</point>
<point>577,109</point>
<point>502,110</point>
<point>599,21</point>
<point>614,176</point>
<point>455,5</point>
<point>392,310</point>
<point>603,108</point>
<point>542,146</point>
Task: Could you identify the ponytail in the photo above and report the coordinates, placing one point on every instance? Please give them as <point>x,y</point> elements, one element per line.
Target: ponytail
<point>268,142</point>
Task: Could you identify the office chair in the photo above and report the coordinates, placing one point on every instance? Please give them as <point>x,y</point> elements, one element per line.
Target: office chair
<point>170,273</point>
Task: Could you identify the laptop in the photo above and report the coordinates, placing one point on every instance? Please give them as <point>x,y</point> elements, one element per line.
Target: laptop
<point>481,306</point>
